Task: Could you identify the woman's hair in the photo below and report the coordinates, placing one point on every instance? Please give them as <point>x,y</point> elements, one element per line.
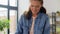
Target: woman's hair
<point>28,15</point>
<point>38,0</point>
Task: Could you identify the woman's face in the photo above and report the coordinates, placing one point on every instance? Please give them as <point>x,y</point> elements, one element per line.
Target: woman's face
<point>35,6</point>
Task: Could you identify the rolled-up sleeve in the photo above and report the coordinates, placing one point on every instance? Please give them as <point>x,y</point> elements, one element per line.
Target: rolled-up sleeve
<point>19,29</point>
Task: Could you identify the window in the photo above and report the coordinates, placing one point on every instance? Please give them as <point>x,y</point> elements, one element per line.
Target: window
<point>9,9</point>
<point>13,21</point>
<point>3,2</point>
<point>13,3</point>
<point>3,13</point>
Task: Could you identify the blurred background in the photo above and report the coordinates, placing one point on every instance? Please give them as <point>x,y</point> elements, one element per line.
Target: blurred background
<point>13,9</point>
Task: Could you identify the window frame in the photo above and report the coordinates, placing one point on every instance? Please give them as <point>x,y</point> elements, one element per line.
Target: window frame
<point>8,11</point>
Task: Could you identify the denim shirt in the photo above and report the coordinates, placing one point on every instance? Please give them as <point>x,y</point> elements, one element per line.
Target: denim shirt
<point>24,25</point>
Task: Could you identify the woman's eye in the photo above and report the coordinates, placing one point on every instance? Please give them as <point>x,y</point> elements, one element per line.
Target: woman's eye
<point>37,6</point>
<point>32,6</point>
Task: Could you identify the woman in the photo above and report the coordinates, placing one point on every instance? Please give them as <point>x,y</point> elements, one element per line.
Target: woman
<point>35,21</point>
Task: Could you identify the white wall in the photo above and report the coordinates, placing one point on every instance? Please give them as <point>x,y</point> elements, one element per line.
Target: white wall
<point>52,5</point>
<point>23,5</point>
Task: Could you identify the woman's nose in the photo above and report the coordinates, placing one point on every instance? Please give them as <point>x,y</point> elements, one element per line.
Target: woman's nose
<point>34,7</point>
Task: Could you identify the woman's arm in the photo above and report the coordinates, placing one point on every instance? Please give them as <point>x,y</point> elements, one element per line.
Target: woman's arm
<point>47,26</point>
<point>19,26</point>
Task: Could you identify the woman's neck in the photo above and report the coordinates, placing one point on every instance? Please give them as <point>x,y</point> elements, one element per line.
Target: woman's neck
<point>34,15</point>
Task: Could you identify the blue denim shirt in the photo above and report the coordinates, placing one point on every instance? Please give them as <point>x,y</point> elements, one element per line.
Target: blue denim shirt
<point>24,25</point>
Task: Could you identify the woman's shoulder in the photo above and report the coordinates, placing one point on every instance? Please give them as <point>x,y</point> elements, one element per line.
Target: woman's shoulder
<point>45,15</point>
<point>24,14</point>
